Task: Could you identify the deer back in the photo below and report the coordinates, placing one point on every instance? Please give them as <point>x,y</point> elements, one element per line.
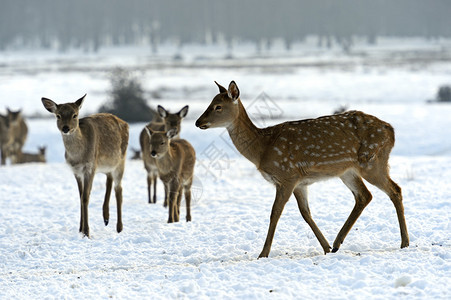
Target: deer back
<point>326,146</point>
<point>109,136</point>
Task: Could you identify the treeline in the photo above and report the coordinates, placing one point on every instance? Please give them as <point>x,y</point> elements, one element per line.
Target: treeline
<point>91,24</point>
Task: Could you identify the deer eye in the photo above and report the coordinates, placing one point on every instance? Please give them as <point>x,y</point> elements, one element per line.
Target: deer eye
<point>162,143</point>
<point>58,117</point>
<point>74,116</point>
<point>218,108</point>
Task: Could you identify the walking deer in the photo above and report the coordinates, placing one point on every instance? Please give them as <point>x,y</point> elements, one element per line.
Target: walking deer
<point>24,157</point>
<point>292,155</point>
<point>168,121</point>
<point>174,159</point>
<point>97,143</point>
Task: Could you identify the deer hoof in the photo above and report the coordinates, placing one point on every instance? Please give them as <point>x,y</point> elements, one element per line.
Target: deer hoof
<point>106,222</point>
<point>334,250</point>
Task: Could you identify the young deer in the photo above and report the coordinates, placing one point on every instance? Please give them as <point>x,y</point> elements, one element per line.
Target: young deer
<point>174,159</point>
<point>293,155</point>
<point>97,143</point>
<point>23,157</point>
<point>169,121</point>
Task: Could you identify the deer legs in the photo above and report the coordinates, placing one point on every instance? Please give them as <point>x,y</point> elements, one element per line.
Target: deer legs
<point>301,196</point>
<point>362,199</point>
<point>84,184</point>
<point>84,188</point>
<point>106,202</point>
<point>282,196</point>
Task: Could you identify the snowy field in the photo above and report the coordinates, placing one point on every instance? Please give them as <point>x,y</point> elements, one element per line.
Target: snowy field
<point>42,255</point>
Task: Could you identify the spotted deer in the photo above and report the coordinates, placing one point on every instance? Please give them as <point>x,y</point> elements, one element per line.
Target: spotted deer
<point>168,121</point>
<point>174,159</point>
<point>97,143</point>
<point>24,157</point>
<point>292,155</point>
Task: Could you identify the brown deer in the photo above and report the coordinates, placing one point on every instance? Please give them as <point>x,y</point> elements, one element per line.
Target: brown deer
<point>6,139</point>
<point>168,121</point>
<point>97,143</point>
<point>174,159</point>
<point>24,157</point>
<point>293,155</point>
<point>19,131</point>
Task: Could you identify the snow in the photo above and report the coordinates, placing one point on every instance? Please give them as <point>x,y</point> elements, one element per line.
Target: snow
<point>215,255</point>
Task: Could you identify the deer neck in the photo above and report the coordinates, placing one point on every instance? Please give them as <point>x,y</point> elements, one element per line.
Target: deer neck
<point>246,137</point>
<point>166,162</point>
<point>74,144</point>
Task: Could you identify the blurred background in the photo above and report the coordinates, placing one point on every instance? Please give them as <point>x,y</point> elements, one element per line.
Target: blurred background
<point>91,25</point>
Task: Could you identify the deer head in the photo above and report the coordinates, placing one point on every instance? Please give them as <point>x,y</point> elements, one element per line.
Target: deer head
<point>66,114</point>
<point>159,141</point>
<point>223,109</point>
<point>172,121</point>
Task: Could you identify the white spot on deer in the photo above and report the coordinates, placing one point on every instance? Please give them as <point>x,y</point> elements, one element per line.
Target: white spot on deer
<point>283,139</point>
<point>296,147</point>
<point>285,159</point>
<point>331,162</point>
<point>276,164</point>
<point>279,152</point>
<point>306,152</point>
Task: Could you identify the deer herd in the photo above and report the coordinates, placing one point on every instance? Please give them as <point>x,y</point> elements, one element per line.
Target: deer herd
<point>350,145</point>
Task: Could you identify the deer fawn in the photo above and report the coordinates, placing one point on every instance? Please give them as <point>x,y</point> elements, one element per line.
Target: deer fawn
<point>293,155</point>
<point>23,157</point>
<point>169,121</point>
<point>174,159</point>
<point>97,143</point>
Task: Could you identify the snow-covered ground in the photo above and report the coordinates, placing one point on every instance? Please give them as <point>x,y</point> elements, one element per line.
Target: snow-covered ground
<point>42,255</point>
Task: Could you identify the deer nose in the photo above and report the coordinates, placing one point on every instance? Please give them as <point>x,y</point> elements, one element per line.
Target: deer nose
<point>65,129</point>
<point>153,153</point>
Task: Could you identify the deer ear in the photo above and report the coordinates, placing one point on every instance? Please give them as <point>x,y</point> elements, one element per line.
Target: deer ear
<point>148,130</point>
<point>221,88</point>
<point>79,102</point>
<point>183,112</point>
<point>49,105</point>
<point>162,112</point>
<point>233,91</point>
<point>171,133</point>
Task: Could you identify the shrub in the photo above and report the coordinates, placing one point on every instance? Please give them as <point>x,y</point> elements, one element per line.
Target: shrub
<point>127,98</point>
